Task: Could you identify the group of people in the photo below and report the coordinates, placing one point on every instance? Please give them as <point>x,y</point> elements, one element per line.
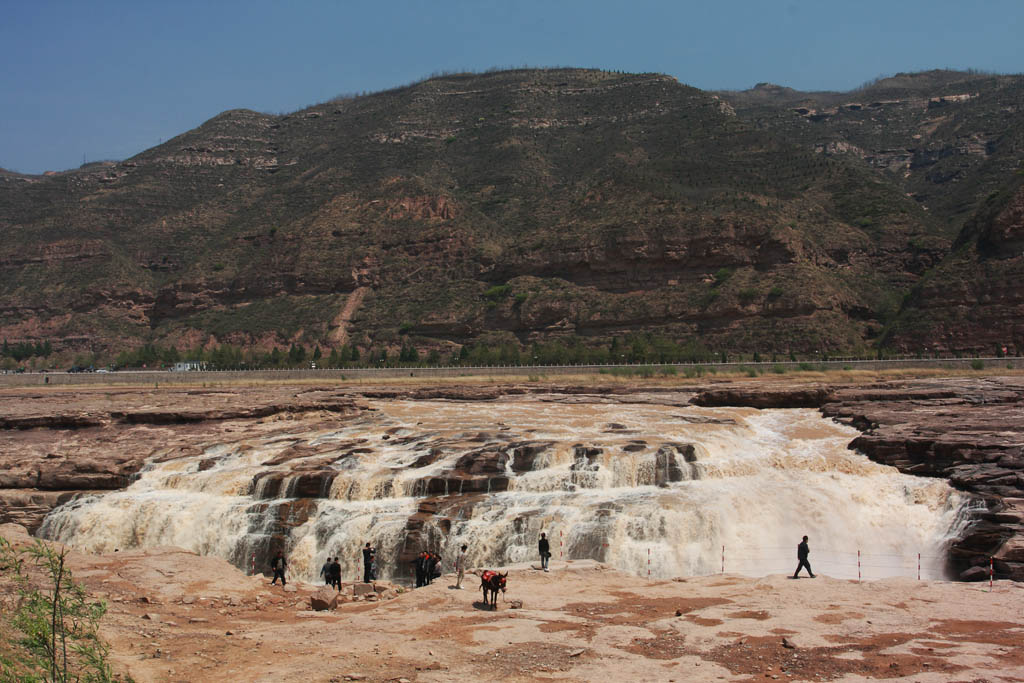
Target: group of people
<point>331,572</point>
<point>427,566</point>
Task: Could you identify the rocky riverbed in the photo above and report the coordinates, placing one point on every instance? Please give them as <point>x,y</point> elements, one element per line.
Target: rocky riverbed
<point>61,443</point>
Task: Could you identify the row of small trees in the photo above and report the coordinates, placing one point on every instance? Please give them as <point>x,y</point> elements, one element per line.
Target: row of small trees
<point>25,350</point>
<point>640,348</point>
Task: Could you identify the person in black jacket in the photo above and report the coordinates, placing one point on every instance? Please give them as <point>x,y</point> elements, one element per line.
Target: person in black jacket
<point>420,565</point>
<point>325,571</point>
<point>335,575</point>
<point>545,553</point>
<point>802,551</point>
<point>368,553</point>
<point>278,565</point>
<point>431,566</point>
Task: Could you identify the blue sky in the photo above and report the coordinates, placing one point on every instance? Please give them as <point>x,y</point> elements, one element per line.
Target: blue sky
<point>105,80</point>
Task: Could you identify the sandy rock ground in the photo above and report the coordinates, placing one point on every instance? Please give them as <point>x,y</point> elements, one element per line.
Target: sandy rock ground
<point>177,616</point>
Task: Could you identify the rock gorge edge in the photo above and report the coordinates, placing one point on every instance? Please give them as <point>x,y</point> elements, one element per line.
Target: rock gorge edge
<point>966,431</point>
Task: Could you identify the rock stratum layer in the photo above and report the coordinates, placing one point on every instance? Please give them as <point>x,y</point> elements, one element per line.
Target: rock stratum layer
<point>529,205</point>
<point>965,431</point>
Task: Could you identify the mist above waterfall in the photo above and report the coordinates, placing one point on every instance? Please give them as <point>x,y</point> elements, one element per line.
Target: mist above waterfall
<point>641,486</point>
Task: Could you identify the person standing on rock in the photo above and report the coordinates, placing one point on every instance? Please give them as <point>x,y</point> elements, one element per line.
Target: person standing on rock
<point>336,573</point>
<point>460,566</point>
<point>544,549</point>
<point>367,563</point>
<point>802,551</point>
<point>278,565</point>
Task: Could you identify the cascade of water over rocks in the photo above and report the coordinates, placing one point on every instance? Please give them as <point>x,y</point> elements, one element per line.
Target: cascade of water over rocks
<point>640,486</point>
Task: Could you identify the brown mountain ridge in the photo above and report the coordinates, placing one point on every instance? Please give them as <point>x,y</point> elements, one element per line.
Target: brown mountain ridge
<point>531,205</point>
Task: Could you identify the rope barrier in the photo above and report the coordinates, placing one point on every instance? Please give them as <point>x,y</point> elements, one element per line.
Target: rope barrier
<point>864,561</point>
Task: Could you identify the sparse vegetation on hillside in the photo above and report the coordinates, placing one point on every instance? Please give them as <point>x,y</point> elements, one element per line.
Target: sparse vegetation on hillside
<point>533,204</point>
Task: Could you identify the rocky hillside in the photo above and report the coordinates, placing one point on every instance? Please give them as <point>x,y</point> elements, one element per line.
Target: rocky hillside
<point>954,142</point>
<point>519,206</point>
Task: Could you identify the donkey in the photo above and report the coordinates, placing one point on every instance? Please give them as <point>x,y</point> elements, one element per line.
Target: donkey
<point>491,582</point>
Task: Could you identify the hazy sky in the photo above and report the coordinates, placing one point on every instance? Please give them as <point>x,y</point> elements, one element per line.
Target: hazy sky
<point>100,79</point>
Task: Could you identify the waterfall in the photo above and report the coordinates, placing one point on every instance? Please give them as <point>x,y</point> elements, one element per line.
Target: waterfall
<point>642,487</point>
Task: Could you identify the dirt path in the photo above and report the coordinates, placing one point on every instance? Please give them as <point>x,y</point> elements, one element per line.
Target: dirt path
<point>339,326</point>
<point>176,616</point>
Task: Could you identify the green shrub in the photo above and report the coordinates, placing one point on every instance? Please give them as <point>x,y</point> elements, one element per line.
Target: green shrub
<point>722,275</point>
<point>747,295</point>
<point>706,299</point>
<point>695,371</point>
<point>56,625</point>
<point>977,364</point>
<point>496,292</point>
<point>805,366</point>
<point>779,369</point>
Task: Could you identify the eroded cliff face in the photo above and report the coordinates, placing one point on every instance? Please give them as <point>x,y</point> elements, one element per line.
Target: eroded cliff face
<point>974,300</point>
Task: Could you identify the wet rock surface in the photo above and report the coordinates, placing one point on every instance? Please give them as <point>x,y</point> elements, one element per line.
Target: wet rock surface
<point>967,431</point>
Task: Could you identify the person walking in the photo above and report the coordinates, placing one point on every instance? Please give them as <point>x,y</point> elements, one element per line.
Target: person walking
<point>278,565</point>
<point>460,566</point>
<point>543,549</point>
<point>367,563</point>
<point>802,551</point>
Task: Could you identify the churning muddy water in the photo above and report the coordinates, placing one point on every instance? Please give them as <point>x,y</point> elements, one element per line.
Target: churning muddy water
<point>672,490</point>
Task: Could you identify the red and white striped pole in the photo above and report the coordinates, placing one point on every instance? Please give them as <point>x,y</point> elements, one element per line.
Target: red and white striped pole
<point>648,564</point>
<point>991,571</point>
<point>858,566</point>
<point>561,552</point>
<point>723,559</point>
<point>919,566</point>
